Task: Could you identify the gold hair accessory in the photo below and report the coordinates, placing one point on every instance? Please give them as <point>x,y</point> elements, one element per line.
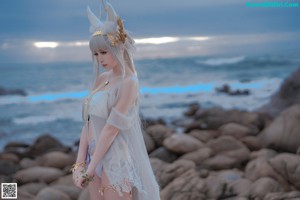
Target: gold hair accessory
<point>97,33</point>
<point>115,38</point>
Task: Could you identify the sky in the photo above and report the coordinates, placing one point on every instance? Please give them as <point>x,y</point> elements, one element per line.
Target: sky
<point>161,28</point>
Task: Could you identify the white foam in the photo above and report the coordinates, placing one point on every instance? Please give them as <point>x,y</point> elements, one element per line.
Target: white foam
<point>221,61</point>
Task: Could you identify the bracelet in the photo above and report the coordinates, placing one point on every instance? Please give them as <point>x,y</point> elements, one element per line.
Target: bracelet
<point>86,177</point>
<point>76,165</point>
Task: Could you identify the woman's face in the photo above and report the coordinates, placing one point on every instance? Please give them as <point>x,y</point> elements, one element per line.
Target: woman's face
<point>106,59</point>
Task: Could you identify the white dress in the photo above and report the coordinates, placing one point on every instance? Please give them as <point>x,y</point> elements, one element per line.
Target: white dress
<point>126,158</point>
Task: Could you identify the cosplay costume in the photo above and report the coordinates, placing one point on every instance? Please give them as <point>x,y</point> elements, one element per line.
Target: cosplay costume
<point>126,160</point>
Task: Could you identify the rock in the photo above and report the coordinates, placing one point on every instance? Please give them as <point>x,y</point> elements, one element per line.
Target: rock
<point>195,125</point>
<point>4,91</point>
<point>19,149</point>
<point>263,153</point>
<point>63,180</point>
<point>170,171</point>
<point>41,174</point>
<point>32,188</point>
<point>217,183</point>
<point>262,186</point>
<point>150,144</point>
<point>182,143</point>
<point>236,130</point>
<point>287,95</point>
<point>293,195</point>
<point>46,143</point>
<point>193,108</point>
<point>10,157</point>
<point>226,156</point>
<point>24,195</point>
<point>27,163</point>
<point>288,166</point>
<point>284,133</point>
<point>157,166</point>
<point>216,117</point>
<point>188,186</point>
<point>204,135</point>
<point>260,167</point>
<point>253,143</point>
<point>158,133</point>
<point>49,193</point>
<point>55,159</point>
<point>72,191</point>
<point>240,187</point>
<point>198,156</point>
<point>8,167</point>
<point>164,154</point>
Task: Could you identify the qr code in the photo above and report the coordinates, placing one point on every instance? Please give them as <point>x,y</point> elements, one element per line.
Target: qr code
<point>9,190</point>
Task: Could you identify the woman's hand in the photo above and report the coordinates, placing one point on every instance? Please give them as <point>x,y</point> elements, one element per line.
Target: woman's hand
<point>78,180</point>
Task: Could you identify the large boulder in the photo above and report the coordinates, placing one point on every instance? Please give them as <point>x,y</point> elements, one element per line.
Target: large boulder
<point>263,186</point>
<point>182,143</point>
<point>158,133</point>
<point>55,159</point>
<point>46,143</point>
<point>236,130</point>
<point>288,166</point>
<point>188,186</point>
<point>225,156</point>
<point>261,167</point>
<point>38,174</point>
<point>287,95</point>
<point>169,172</point>
<point>284,133</point>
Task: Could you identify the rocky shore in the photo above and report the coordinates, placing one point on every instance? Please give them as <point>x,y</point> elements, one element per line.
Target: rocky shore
<point>219,154</point>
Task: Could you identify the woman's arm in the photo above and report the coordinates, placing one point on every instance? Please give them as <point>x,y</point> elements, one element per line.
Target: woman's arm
<point>83,146</point>
<point>116,121</point>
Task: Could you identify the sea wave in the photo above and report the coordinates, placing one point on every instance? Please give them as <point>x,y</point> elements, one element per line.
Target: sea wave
<point>221,61</point>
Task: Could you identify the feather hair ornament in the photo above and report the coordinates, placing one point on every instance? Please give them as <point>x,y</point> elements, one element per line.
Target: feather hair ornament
<point>112,27</point>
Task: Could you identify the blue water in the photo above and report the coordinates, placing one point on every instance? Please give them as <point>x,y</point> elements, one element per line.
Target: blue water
<point>55,90</point>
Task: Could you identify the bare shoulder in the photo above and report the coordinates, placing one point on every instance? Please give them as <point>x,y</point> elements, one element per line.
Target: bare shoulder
<point>130,82</point>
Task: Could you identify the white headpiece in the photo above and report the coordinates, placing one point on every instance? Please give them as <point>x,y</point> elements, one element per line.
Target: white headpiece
<point>112,27</point>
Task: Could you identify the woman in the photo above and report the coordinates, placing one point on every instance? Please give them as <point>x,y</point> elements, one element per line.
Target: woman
<point>112,158</point>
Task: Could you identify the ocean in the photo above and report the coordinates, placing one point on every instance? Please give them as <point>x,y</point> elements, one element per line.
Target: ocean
<point>168,85</point>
